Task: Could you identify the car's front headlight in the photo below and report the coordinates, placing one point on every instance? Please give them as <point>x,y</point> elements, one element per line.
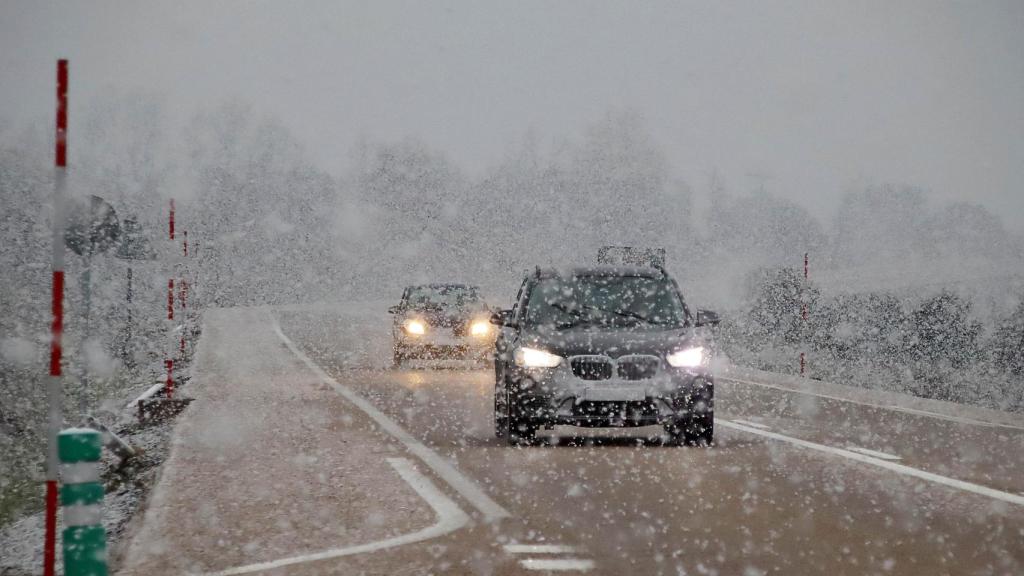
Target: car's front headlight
<point>480,328</point>
<point>533,358</point>
<point>687,358</point>
<point>415,327</point>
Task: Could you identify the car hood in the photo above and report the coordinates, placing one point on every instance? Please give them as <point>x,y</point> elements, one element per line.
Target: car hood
<point>446,316</point>
<point>613,343</point>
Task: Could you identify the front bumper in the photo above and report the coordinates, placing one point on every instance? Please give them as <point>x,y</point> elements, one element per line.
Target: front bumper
<point>429,346</point>
<point>556,396</point>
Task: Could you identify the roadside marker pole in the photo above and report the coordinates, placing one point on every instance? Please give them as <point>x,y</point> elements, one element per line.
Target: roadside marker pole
<point>183,295</point>
<point>170,299</point>
<point>803,314</point>
<point>803,311</point>
<point>54,392</point>
<point>85,539</point>
<point>169,361</point>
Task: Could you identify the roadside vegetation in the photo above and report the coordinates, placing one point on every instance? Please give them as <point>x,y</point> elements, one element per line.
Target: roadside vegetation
<point>906,294</point>
<point>929,345</point>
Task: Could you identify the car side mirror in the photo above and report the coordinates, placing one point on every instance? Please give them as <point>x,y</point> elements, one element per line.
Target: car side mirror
<point>502,318</point>
<point>706,318</point>
<point>395,309</point>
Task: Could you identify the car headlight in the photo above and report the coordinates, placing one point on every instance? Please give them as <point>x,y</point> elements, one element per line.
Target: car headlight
<point>480,328</point>
<point>533,358</point>
<point>688,358</point>
<point>415,327</point>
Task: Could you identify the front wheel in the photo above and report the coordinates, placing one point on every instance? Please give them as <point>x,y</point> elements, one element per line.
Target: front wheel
<point>500,405</point>
<point>701,431</point>
<point>520,430</point>
<point>691,430</point>
<point>397,358</point>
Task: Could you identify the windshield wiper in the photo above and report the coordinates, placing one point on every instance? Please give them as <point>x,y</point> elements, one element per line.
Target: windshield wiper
<point>629,314</point>
<point>579,318</point>
<point>620,313</point>
<point>579,321</point>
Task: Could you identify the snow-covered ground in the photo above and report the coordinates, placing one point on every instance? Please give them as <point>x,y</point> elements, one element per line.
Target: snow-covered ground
<point>22,540</point>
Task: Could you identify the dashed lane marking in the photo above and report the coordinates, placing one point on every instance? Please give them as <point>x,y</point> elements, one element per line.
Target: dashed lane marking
<point>891,466</point>
<point>893,407</point>
<point>449,518</point>
<point>490,509</point>
<point>557,564</point>
<point>539,549</point>
<point>874,453</point>
<point>751,424</point>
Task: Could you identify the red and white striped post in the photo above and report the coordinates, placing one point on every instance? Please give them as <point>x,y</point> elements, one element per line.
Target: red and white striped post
<point>54,390</point>
<point>183,295</point>
<point>169,361</point>
<point>803,313</point>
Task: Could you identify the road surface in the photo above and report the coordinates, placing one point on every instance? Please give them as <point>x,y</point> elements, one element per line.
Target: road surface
<point>815,481</point>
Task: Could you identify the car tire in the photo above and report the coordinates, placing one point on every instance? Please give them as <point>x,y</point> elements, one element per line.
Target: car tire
<point>675,432</point>
<point>520,431</point>
<point>700,430</point>
<point>397,358</point>
<point>691,430</point>
<point>500,405</point>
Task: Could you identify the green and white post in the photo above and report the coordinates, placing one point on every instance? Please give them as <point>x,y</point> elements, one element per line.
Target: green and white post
<point>81,497</point>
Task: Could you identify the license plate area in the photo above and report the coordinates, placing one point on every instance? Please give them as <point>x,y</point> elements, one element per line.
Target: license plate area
<point>613,395</point>
<point>443,337</point>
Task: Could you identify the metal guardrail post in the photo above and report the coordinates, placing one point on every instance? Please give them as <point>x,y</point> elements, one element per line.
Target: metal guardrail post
<point>81,496</point>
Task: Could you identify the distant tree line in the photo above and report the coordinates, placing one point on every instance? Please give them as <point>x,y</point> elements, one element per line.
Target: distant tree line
<point>268,226</point>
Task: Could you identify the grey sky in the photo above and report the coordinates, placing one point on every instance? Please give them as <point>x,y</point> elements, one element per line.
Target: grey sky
<point>808,97</point>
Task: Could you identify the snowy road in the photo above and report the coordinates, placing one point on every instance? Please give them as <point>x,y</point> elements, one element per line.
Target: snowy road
<point>797,482</point>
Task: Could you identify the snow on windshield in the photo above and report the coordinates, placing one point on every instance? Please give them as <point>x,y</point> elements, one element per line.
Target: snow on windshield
<point>612,300</point>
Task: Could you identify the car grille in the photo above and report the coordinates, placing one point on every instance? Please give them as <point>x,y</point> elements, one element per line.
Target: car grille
<point>637,367</point>
<point>590,368</point>
<point>631,367</point>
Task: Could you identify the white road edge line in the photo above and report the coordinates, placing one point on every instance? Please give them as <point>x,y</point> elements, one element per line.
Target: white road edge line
<point>751,424</point>
<point>449,518</point>
<point>557,564</point>
<point>891,466</point>
<point>490,509</point>
<point>875,453</point>
<point>540,549</point>
<point>893,407</point>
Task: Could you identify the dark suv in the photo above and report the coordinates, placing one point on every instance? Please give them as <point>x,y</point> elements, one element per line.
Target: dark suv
<point>604,346</point>
<point>441,321</point>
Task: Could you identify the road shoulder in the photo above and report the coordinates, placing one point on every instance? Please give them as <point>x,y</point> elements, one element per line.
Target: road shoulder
<point>267,463</point>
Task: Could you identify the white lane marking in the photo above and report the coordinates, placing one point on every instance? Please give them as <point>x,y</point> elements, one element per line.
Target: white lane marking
<point>557,564</point>
<point>751,424</point>
<point>867,452</point>
<point>892,466</point>
<point>893,407</point>
<point>490,509</point>
<point>539,549</point>
<point>449,518</point>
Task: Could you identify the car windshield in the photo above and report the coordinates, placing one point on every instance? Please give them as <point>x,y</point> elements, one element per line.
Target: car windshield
<point>442,296</point>
<point>604,300</point>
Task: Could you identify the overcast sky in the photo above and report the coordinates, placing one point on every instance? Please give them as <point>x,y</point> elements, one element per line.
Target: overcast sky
<point>808,98</point>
